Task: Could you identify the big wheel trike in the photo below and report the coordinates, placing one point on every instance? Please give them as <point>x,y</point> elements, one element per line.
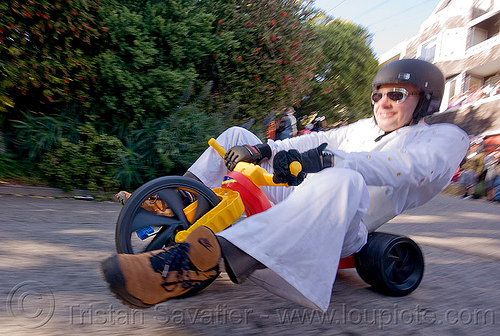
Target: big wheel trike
<point>166,209</point>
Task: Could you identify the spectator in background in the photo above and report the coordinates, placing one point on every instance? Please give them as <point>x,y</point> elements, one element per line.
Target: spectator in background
<point>492,166</point>
<point>307,129</point>
<point>287,127</point>
<point>319,124</point>
<point>496,186</point>
<point>472,167</point>
<point>270,124</point>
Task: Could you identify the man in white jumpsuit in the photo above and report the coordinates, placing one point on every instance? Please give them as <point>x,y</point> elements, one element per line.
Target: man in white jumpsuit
<point>369,172</point>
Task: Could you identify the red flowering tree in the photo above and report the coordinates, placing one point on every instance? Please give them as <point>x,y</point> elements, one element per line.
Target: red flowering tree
<point>271,63</point>
<point>47,51</point>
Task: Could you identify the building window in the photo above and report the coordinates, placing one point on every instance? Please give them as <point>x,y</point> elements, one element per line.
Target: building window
<point>478,35</point>
<point>428,50</point>
<point>453,88</point>
<point>484,30</point>
<point>472,83</point>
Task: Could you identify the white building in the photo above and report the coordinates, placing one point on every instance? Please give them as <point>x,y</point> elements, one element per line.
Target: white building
<point>462,38</point>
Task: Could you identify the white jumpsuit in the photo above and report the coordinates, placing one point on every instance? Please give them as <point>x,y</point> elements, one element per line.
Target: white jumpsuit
<point>303,236</point>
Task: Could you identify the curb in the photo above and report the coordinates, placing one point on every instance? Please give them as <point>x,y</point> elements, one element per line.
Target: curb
<point>15,190</point>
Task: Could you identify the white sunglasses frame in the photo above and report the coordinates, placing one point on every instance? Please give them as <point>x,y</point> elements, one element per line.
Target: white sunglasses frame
<point>400,90</point>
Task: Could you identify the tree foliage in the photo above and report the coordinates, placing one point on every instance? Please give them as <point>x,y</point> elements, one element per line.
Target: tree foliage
<point>342,85</point>
<point>273,60</point>
<point>135,88</point>
<point>90,163</point>
<point>156,47</point>
<point>48,53</point>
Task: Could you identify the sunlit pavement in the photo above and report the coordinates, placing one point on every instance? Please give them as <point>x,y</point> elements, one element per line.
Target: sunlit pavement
<point>51,282</point>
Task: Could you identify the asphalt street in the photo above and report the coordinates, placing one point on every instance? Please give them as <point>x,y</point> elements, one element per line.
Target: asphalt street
<point>51,284</point>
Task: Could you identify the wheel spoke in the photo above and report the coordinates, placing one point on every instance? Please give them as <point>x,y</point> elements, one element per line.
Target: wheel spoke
<point>173,199</point>
<point>392,258</point>
<point>399,251</point>
<point>160,239</point>
<point>160,204</point>
<point>202,208</point>
<point>406,271</point>
<point>144,218</point>
<point>407,258</point>
<point>390,268</point>
<point>397,276</point>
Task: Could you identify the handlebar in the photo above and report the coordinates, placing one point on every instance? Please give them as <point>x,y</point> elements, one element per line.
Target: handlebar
<point>215,145</point>
<point>256,173</point>
<point>295,168</point>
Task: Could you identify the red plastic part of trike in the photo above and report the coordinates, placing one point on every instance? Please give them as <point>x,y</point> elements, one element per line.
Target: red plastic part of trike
<point>253,197</point>
<point>347,262</point>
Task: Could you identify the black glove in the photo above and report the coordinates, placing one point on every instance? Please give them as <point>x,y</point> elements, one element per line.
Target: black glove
<point>312,161</point>
<point>281,165</point>
<point>246,153</point>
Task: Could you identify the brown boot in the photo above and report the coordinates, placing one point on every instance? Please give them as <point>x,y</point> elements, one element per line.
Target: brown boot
<point>180,269</point>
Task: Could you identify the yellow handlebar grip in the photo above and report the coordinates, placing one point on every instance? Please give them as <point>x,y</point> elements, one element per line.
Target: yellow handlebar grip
<point>217,147</point>
<point>295,168</point>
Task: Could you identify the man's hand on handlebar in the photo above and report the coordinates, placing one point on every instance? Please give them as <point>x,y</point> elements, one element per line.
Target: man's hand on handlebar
<point>246,153</point>
<point>312,161</point>
<point>281,164</point>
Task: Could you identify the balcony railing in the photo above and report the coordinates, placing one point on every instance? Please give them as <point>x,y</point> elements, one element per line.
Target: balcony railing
<point>483,46</point>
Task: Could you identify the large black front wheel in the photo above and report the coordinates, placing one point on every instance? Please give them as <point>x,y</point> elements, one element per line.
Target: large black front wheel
<point>155,212</point>
<point>392,264</point>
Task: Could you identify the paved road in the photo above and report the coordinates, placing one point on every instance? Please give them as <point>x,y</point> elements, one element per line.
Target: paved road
<point>51,282</point>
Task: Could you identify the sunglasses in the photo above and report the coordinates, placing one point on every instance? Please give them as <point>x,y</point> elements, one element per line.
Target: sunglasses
<point>397,95</point>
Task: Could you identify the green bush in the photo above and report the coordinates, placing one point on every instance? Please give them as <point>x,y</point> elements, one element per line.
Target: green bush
<point>15,169</point>
<point>155,49</point>
<point>18,171</point>
<point>184,137</point>
<point>170,145</point>
<point>91,163</point>
<point>138,160</point>
<point>35,135</point>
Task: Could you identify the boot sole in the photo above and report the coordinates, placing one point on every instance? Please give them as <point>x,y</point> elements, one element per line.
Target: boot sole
<point>116,283</point>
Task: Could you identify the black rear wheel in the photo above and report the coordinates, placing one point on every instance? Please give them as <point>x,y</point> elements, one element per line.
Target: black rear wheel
<point>391,264</point>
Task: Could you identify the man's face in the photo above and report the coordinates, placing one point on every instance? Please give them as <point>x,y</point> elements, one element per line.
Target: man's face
<point>391,115</point>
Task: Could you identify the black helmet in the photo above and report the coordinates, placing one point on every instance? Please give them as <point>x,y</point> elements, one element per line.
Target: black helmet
<point>424,75</point>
